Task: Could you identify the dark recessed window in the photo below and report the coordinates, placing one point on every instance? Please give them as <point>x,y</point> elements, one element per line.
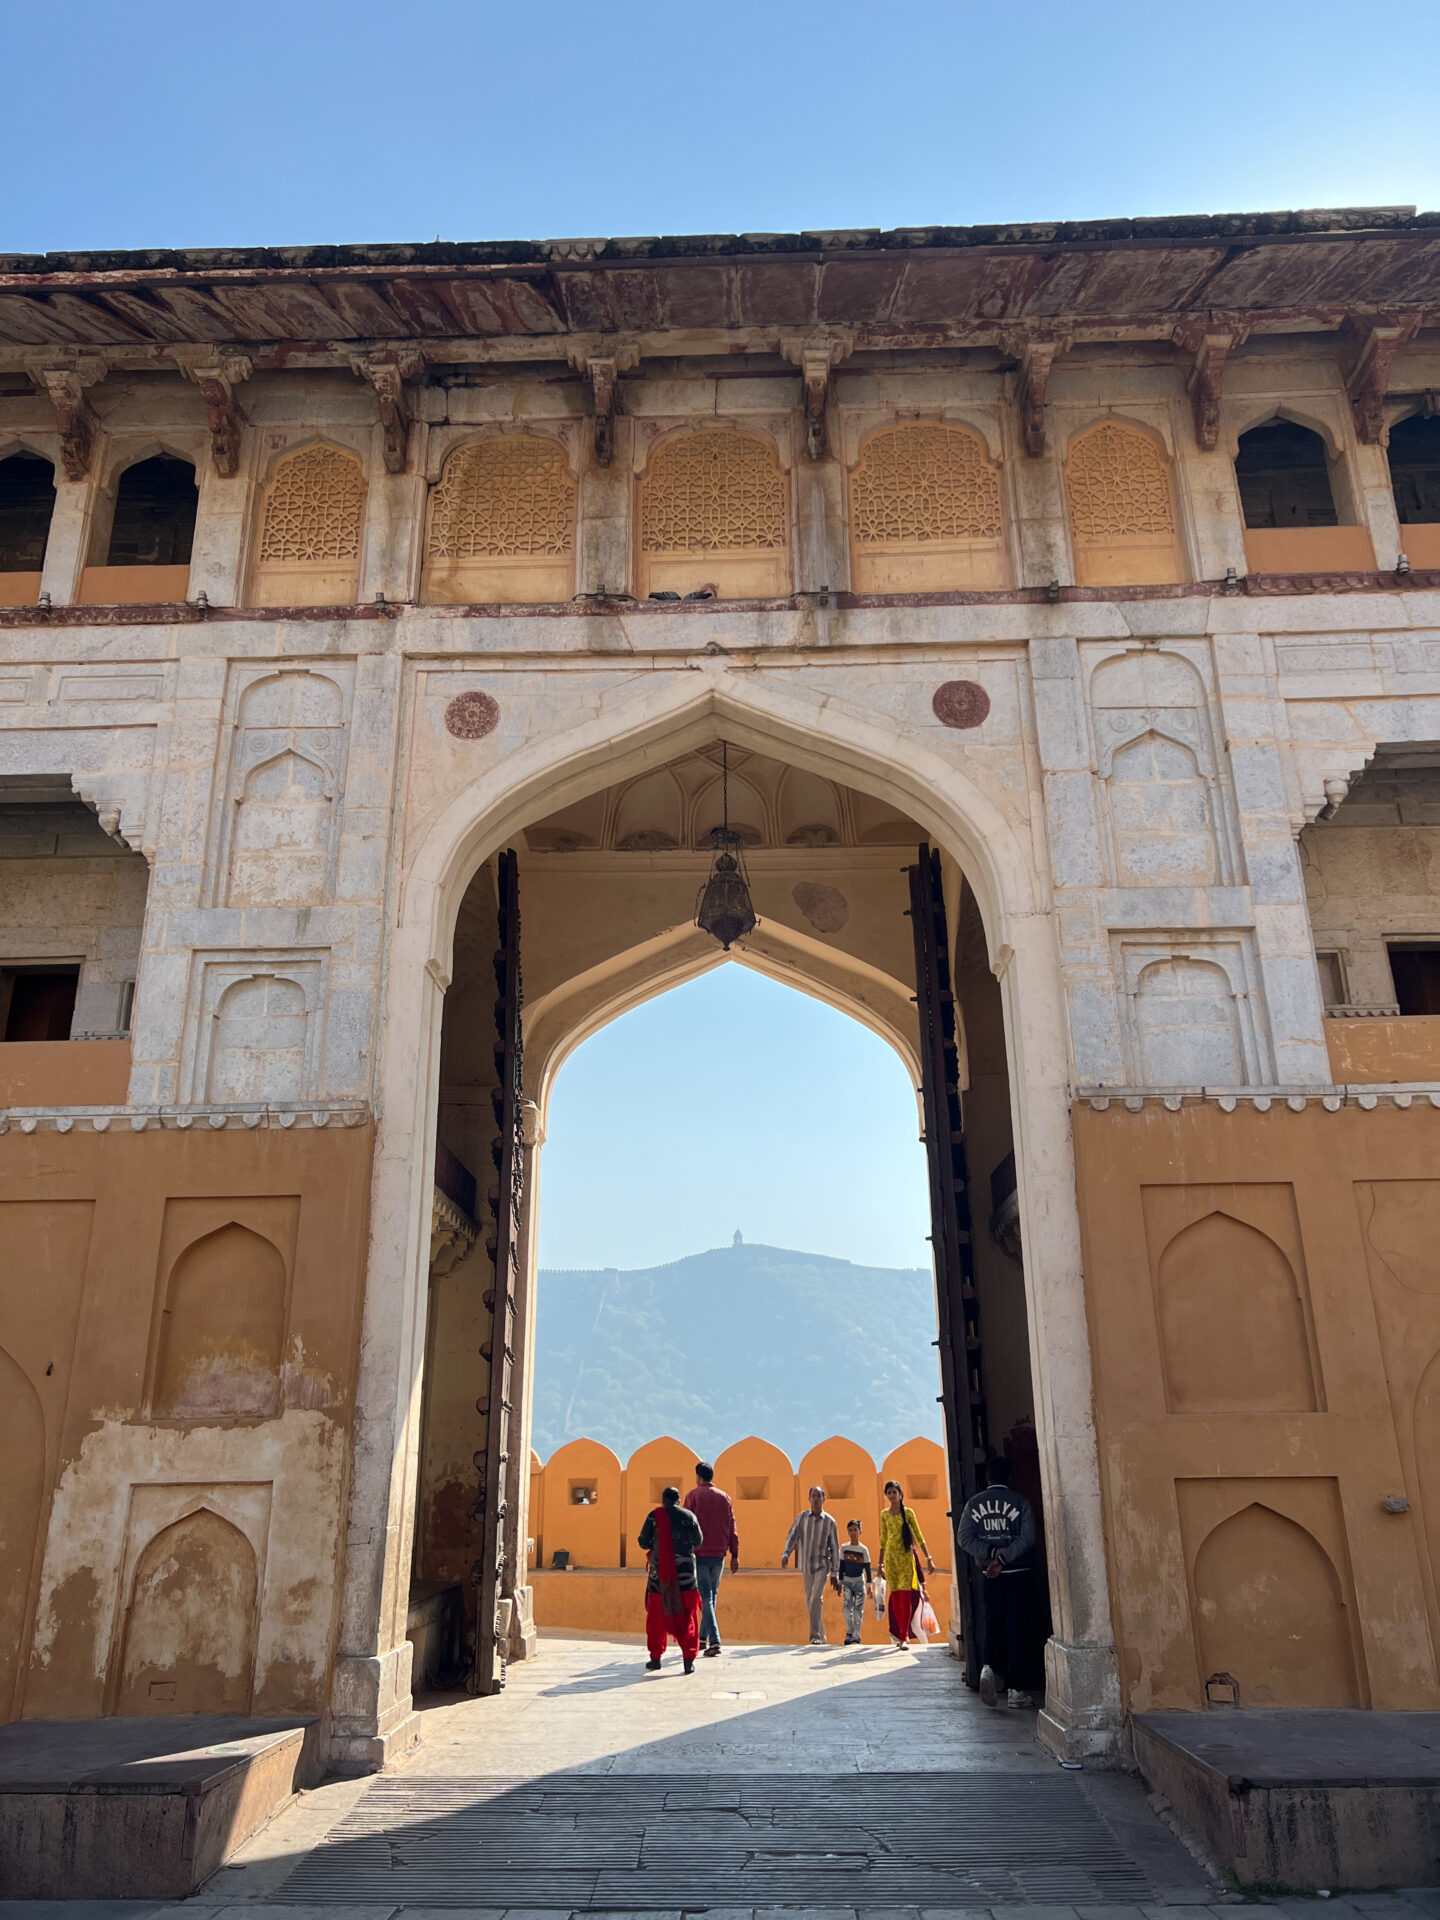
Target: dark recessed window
<point>27,500</point>
<point>39,1002</point>
<point>1416,973</point>
<point>154,524</point>
<point>1415,470</point>
<point>1284,477</point>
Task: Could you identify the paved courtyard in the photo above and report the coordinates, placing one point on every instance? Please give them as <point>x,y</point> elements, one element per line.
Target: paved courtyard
<point>830,1782</point>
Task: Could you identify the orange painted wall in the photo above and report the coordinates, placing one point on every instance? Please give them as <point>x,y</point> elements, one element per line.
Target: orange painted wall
<point>852,1492</point>
<point>64,1073</point>
<point>662,1463</point>
<point>590,1533</point>
<point>1384,1052</point>
<point>763,1607</point>
<point>178,1338</point>
<point>1309,550</point>
<point>761,1484</point>
<point>1264,1300</point>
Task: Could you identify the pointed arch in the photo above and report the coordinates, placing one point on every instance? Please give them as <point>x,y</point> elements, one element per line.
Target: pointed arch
<point>192,1620</point>
<point>1271,1612</point>
<point>311,523</point>
<point>926,511</point>
<point>501,523</point>
<point>1233,1332</point>
<point>223,1328</point>
<point>713,509</point>
<point>22,1496</point>
<point>1122,508</point>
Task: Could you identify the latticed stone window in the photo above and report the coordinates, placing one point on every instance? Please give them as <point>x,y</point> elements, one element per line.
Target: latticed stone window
<point>1122,514</point>
<point>314,508</point>
<point>309,547</point>
<point>503,498</point>
<point>925,511</point>
<point>924,482</point>
<point>714,511</point>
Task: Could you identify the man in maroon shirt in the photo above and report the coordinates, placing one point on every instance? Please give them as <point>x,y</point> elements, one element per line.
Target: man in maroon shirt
<point>718,1537</point>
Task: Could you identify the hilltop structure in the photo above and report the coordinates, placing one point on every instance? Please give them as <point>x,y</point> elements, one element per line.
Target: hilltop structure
<point>1066,600</point>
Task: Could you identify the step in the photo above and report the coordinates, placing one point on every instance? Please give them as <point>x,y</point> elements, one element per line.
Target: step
<point>1303,1797</point>
<point>140,1808</point>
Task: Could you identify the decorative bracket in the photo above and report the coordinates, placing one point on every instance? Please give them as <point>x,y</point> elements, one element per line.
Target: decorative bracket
<point>79,429</point>
<point>816,354</point>
<point>1032,380</point>
<point>602,362</point>
<point>1367,378</point>
<point>1210,342</point>
<point>217,376</point>
<point>387,374</point>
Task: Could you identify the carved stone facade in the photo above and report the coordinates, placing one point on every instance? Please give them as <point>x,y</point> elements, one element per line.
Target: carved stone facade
<point>506,553</point>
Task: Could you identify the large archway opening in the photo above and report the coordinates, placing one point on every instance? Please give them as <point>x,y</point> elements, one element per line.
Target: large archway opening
<point>602,890</point>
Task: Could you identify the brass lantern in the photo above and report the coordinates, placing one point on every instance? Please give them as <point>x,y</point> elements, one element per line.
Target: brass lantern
<point>724,909</point>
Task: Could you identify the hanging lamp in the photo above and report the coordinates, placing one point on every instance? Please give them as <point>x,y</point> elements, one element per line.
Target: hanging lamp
<point>724,909</point>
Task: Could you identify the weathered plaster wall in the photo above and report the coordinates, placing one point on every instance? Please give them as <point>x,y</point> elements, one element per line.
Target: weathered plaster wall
<point>180,1392</point>
<point>1264,1307</point>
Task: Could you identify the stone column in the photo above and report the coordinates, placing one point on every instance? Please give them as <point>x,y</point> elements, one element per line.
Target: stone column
<point>67,547</point>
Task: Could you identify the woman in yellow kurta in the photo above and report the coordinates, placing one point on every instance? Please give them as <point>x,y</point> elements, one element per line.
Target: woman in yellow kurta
<point>901,1541</point>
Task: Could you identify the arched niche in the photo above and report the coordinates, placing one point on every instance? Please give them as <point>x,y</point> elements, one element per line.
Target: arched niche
<point>847,1473</point>
<point>281,839</point>
<point>926,512</point>
<point>1414,456</point>
<point>27,504</point>
<point>191,1623</point>
<point>22,1494</point>
<point>1233,1335</point>
<point>1296,503</point>
<point>713,510</point>
<point>1186,1031</point>
<point>143,534</point>
<point>312,518</point>
<point>501,523</point>
<point>223,1329</point>
<point>810,813</point>
<point>1271,1613</point>
<point>1160,816</point>
<point>650,814</point>
<point>1123,527</point>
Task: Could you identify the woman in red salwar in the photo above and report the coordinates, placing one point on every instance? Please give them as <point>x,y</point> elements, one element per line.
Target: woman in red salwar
<point>670,1536</point>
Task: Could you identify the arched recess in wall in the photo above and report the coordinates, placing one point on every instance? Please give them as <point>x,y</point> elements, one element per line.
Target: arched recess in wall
<point>27,504</point>
<point>1153,750</point>
<point>311,522</point>
<point>1233,1334</point>
<point>259,1043</point>
<point>22,1493</point>
<point>190,1627</point>
<point>1122,509</point>
<point>287,764</point>
<point>501,524</point>
<point>223,1329</point>
<point>143,533</point>
<point>1186,1031</point>
<point>1427,1457</point>
<point>925,512</point>
<point>713,510</point>
<point>1271,1612</point>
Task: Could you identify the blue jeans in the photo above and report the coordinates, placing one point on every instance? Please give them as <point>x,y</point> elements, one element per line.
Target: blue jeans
<point>708,1569</point>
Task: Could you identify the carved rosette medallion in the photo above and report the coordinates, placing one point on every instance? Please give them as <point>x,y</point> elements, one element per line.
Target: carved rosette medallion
<point>961,703</point>
<point>470,716</point>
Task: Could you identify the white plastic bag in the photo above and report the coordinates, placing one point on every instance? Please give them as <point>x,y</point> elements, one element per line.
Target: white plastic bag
<point>929,1621</point>
<point>878,1589</point>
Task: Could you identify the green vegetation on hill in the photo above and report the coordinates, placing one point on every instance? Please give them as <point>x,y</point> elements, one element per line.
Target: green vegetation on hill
<point>741,1340</point>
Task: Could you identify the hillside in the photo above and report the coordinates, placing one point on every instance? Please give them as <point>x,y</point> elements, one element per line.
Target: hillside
<point>738,1340</point>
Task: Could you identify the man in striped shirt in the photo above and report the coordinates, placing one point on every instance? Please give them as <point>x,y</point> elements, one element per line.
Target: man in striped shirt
<point>816,1547</point>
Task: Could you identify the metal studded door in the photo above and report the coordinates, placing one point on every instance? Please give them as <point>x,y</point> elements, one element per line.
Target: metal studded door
<point>506,1197</point>
<point>957,1310</point>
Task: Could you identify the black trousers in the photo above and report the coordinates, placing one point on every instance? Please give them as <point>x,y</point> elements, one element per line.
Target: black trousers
<point>1009,1642</point>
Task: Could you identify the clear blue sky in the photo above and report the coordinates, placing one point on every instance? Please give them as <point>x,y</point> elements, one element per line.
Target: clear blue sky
<point>732,1102</point>
<point>170,125</point>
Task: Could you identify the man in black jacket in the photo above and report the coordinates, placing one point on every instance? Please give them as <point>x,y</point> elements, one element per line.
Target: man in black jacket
<point>997,1530</point>
<point>670,1536</point>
